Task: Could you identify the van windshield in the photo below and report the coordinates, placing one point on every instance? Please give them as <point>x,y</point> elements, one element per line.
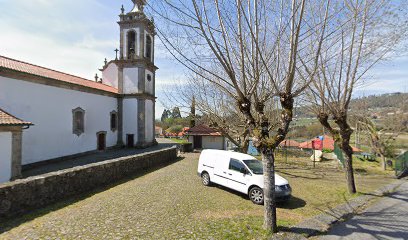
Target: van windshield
<point>254,165</point>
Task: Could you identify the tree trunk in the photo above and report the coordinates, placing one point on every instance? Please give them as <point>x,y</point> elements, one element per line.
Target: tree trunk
<point>342,137</point>
<point>268,162</point>
<point>348,167</point>
<point>383,162</point>
<point>245,146</point>
<point>345,133</point>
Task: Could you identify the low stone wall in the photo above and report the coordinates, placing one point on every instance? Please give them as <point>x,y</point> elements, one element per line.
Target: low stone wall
<point>186,147</point>
<point>32,193</point>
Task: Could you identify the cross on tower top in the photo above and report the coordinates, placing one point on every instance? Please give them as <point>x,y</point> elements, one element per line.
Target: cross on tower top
<point>116,50</point>
<point>139,5</point>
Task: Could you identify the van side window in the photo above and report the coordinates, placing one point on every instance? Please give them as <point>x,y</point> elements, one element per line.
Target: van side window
<point>235,165</point>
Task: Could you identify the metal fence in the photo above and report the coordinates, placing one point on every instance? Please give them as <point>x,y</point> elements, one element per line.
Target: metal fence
<point>339,154</point>
<point>401,164</point>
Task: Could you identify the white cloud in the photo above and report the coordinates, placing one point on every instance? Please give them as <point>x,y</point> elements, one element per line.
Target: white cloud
<point>390,76</point>
<point>58,34</point>
<point>74,59</point>
<point>71,36</point>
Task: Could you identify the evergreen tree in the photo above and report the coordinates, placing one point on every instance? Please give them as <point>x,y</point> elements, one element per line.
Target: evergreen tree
<point>192,113</point>
<point>164,115</point>
<point>176,113</point>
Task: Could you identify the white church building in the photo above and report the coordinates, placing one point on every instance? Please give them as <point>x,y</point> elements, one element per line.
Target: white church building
<point>47,115</point>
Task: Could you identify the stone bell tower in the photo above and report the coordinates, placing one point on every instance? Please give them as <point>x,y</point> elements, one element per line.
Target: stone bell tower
<point>133,73</point>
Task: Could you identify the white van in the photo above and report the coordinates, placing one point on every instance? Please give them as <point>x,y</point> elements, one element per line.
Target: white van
<point>240,172</point>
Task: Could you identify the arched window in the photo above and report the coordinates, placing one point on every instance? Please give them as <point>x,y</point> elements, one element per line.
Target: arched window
<point>149,47</point>
<point>78,121</point>
<point>131,44</point>
<point>113,121</point>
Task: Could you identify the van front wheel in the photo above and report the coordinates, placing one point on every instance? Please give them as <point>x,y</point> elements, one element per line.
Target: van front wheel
<point>256,195</point>
<point>205,178</point>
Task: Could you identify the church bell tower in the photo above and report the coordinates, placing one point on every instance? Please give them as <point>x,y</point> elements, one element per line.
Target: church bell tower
<point>133,73</point>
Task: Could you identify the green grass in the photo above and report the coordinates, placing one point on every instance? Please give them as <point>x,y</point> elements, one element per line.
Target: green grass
<point>304,121</point>
<point>324,186</point>
<point>402,141</point>
<point>177,140</point>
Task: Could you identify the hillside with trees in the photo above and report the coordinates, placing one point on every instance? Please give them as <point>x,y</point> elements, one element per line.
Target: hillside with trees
<point>377,106</point>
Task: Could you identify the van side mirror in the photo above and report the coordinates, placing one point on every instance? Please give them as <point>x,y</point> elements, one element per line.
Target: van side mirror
<point>244,171</point>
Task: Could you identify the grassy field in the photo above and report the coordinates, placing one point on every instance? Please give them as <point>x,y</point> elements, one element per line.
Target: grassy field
<point>178,140</point>
<point>304,121</point>
<point>402,141</point>
<point>171,203</point>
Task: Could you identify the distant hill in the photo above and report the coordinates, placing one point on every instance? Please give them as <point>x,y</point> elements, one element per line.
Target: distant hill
<point>375,104</point>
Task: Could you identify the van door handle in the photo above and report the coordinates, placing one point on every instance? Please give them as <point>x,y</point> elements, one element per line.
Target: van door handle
<point>229,173</point>
<point>225,172</point>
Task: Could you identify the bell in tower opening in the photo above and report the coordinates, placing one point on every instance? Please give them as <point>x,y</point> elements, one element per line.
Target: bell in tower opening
<point>149,47</point>
<point>131,41</point>
<point>139,5</point>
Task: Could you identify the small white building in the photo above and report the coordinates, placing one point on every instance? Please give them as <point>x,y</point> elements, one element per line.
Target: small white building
<point>11,130</point>
<point>73,115</point>
<point>204,137</point>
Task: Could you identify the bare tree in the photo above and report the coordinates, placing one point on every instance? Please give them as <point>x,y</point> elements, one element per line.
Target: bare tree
<point>217,108</point>
<point>382,140</point>
<point>366,32</point>
<point>251,51</point>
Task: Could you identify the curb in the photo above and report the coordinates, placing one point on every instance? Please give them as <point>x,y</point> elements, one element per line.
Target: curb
<point>322,222</point>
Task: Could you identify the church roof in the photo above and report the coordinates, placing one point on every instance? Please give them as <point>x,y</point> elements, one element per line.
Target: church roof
<point>32,69</point>
<point>7,119</point>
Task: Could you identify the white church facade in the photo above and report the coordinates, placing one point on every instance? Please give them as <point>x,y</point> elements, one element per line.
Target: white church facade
<point>46,115</point>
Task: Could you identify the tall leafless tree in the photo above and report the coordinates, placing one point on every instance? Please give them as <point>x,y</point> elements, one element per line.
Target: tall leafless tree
<point>369,31</point>
<point>217,108</point>
<point>251,51</point>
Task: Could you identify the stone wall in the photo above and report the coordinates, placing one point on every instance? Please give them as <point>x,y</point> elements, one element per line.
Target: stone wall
<point>32,193</point>
<point>186,147</point>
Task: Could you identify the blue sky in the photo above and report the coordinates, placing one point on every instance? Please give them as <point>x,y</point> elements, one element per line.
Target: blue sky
<point>75,36</point>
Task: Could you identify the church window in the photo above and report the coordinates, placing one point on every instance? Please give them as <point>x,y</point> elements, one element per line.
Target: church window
<point>113,121</point>
<point>149,77</point>
<point>131,43</point>
<point>78,123</point>
<point>149,47</point>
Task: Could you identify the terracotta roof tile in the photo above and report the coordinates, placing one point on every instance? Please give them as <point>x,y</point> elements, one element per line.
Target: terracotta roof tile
<point>289,143</point>
<point>10,120</point>
<point>203,130</point>
<point>24,67</point>
<point>328,143</point>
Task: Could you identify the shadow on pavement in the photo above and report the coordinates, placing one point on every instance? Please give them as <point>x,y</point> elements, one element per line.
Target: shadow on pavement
<point>294,175</point>
<point>385,223</point>
<point>292,203</point>
<point>368,224</point>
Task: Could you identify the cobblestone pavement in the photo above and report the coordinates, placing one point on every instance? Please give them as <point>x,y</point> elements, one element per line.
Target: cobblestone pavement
<point>92,158</point>
<point>169,203</point>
